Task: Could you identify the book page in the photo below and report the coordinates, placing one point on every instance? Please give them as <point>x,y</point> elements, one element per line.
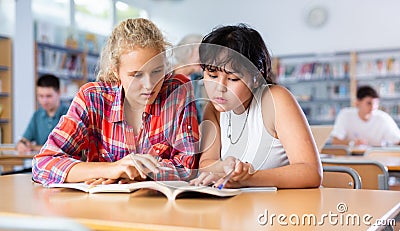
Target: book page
<point>108,188</point>
<point>79,186</point>
<point>170,189</point>
<point>93,189</point>
<point>224,192</point>
<point>165,187</point>
<point>259,189</point>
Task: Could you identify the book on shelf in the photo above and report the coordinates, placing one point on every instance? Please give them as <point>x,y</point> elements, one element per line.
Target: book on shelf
<point>378,67</point>
<point>171,189</point>
<point>314,70</point>
<point>91,66</point>
<point>64,62</point>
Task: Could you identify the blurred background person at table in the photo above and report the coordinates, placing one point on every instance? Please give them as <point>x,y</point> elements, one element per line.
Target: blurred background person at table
<point>186,54</point>
<point>46,117</point>
<point>365,124</point>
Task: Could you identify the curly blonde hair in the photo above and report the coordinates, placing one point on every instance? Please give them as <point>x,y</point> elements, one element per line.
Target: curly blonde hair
<point>125,37</point>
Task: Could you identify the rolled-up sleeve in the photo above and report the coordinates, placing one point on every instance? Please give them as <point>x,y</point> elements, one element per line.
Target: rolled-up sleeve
<point>64,146</point>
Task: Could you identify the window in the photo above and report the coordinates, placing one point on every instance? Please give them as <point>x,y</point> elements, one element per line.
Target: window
<point>53,22</point>
<point>7,17</point>
<point>124,11</point>
<point>93,16</point>
<point>54,11</point>
<point>51,17</point>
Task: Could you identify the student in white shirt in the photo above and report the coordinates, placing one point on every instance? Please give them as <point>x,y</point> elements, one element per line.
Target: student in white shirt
<point>365,124</point>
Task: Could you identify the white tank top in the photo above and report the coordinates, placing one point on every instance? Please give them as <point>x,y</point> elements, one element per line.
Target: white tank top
<point>255,145</point>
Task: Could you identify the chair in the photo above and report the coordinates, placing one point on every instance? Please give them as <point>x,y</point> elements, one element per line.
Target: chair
<point>337,150</point>
<point>393,155</point>
<point>374,175</point>
<point>341,177</point>
<point>321,134</point>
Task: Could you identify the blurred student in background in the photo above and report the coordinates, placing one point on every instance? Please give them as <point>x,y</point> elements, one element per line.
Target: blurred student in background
<point>46,117</point>
<point>365,124</point>
<point>186,54</point>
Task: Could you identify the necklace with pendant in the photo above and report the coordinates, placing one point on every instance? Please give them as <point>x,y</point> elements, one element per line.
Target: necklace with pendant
<point>229,131</point>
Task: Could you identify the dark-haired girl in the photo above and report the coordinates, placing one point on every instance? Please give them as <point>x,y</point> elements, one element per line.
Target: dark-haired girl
<point>254,128</point>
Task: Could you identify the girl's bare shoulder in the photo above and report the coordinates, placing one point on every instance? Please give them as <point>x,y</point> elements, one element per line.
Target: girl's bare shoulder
<point>276,93</point>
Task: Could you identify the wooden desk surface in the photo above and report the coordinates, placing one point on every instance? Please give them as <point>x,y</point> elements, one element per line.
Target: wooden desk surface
<point>11,158</point>
<point>142,210</point>
<point>16,156</point>
<point>391,162</point>
<point>360,150</point>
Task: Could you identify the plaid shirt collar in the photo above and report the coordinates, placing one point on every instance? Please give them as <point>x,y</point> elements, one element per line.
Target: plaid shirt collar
<point>117,113</point>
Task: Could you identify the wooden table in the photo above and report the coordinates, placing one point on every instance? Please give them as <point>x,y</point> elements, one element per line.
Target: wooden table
<point>143,210</point>
<point>361,150</point>
<point>10,159</point>
<point>391,162</point>
<point>357,153</point>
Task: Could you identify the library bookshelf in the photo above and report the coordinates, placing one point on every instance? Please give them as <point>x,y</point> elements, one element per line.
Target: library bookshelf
<point>6,103</point>
<point>74,67</point>
<point>325,83</point>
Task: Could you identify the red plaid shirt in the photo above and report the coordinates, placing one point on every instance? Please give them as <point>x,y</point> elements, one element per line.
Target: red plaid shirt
<point>94,130</point>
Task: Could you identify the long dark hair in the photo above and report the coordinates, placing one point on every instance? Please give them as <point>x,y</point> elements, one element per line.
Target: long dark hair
<point>236,43</point>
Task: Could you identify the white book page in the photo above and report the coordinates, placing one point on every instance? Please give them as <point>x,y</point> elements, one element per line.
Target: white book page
<point>259,189</point>
<point>80,186</point>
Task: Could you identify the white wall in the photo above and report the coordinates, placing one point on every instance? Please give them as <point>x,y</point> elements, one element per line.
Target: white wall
<point>7,17</point>
<point>23,68</point>
<point>352,24</point>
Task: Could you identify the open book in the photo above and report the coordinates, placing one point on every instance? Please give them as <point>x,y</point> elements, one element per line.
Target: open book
<point>171,189</point>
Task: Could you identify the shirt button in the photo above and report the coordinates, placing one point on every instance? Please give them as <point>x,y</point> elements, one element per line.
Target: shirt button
<point>103,155</point>
<point>144,114</point>
<point>189,127</point>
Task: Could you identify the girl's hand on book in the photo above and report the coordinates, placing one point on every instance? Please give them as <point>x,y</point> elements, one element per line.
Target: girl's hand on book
<point>243,171</point>
<point>144,164</point>
<point>206,178</point>
<point>235,177</point>
<point>137,166</point>
<point>98,181</point>
<point>217,172</point>
<point>108,181</point>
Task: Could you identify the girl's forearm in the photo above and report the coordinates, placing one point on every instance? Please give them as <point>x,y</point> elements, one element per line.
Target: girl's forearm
<point>300,175</point>
<point>90,170</point>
